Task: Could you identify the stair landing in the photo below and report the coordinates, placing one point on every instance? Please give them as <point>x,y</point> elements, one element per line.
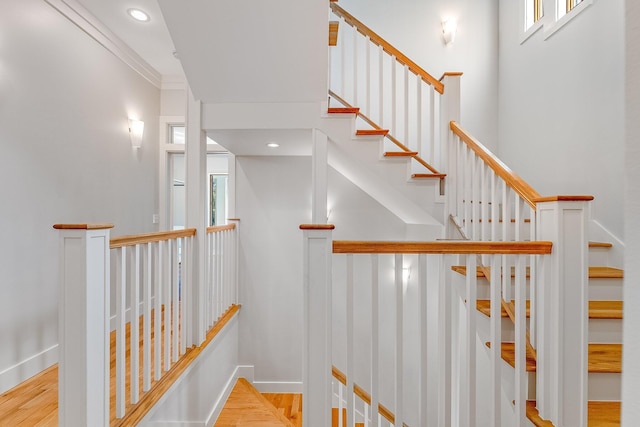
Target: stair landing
<point>247,407</point>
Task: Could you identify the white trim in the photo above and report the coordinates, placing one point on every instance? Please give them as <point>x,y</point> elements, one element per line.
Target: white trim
<point>222,399</point>
<point>88,23</point>
<point>29,367</point>
<point>525,35</point>
<point>564,19</point>
<point>278,386</point>
<point>246,372</point>
<point>173,83</point>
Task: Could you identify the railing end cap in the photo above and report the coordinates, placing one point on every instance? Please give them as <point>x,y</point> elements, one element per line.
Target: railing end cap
<point>88,226</point>
<point>564,198</point>
<point>317,227</point>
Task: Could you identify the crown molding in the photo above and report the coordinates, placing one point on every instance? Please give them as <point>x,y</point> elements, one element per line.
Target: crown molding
<point>95,29</point>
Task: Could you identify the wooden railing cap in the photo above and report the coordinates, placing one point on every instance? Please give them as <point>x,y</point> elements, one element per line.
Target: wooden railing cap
<point>564,198</point>
<point>139,239</point>
<point>442,247</point>
<point>451,74</point>
<point>218,228</point>
<point>317,227</point>
<point>88,226</point>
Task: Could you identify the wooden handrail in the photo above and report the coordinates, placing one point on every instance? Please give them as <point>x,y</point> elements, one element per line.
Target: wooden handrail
<point>442,247</point>
<point>523,189</point>
<point>137,239</point>
<point>150,398</point>
<point>219,228</point>
<point>379,41</point>
<point>362,394</point>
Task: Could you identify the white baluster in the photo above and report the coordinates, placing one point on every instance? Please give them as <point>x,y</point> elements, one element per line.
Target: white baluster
<point>146,341</point>
<point>167,305</point>
<point>157,311</point>
<point>375,339</point>
<point>121,304</point>
<point>393,95</point>
<point>399,342</point>
<point>185,289</point>
<point>432,127</point>
<point>423,300</point>
<point>420,144</point>
<point>134,327</point>
<point>175,305</point>
<point>469,418</point>
<point>350,342</point>
<point>406,105</point>
<point>367,104</point>
<point>355,67</point>
<point>496,342</point>
<point>521,339</point>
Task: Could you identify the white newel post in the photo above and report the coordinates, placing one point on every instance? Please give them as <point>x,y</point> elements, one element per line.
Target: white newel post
<point>196,217</point>
<point>319,177</point>
<point>83,325</point>
<point>316,365</point>
<point>449,111</point>
<point>563,310</point>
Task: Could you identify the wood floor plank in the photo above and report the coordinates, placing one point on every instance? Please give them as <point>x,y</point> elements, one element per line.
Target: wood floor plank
<point>247,407</point>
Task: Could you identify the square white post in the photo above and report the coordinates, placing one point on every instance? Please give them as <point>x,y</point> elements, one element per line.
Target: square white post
<point>316,365</point>
<point>83,325</point>
<point>449,111</point>
<point>563,310</point>
<point>319,177</point>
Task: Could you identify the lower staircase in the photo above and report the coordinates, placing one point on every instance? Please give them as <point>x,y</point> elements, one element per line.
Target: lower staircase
<point>605,343</point>
<point>246,406</point>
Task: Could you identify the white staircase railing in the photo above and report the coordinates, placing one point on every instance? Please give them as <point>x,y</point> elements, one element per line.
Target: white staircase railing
<point>390,89</point>
<point>152,329</point>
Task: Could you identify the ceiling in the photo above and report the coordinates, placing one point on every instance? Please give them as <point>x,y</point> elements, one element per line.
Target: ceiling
<point>150,40</point>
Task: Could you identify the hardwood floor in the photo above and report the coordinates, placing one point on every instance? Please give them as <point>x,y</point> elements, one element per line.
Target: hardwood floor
<point>246,407</point>
<point>288,404</point>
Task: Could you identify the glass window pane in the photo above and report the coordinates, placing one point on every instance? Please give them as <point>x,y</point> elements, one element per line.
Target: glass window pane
<point>177,135</point>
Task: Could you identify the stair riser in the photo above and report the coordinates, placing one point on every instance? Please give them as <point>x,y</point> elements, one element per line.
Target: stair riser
<point>600,330</point>
<point>599,289</point>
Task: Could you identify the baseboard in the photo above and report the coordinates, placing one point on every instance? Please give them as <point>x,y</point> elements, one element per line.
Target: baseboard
<point>246,372</point>
<point>222,399</point>
<point>24,370</point>
<point>278,386</point>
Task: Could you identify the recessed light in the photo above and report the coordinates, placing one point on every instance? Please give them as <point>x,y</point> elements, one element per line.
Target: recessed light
<point>273,145</point>
<point>139,15</point>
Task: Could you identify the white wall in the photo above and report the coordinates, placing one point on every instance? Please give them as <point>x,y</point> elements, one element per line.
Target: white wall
<point>561,107</point>
<point>273,199</point>
<point>65,157</point>
<point>631,367</point>
<point>414,27</point>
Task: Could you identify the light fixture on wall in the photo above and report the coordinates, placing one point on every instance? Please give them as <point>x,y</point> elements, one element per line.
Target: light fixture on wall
<point>449,28</point>
<point>136,130</point>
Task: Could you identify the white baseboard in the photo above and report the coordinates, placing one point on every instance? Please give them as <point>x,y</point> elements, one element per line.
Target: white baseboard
<point>246,372</point>
<point>278,386</point>
<point>217,408</point>
<point>29,367</point>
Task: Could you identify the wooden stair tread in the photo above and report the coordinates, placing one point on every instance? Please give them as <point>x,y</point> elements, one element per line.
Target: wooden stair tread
<point>428,175</point>
<point>603,358</point>
<point>597,309</point>
<point>333,33</point>
<point>595,272</point>
<point>600,245</point>
<point>602,272</point>
<point>400,153</point>
<point>601,414</point>
<point>343,110</point>
<point>247,407</point>
<point>370,132</point>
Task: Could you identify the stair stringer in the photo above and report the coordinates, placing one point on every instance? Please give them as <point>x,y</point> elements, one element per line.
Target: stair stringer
<point>383,179</point>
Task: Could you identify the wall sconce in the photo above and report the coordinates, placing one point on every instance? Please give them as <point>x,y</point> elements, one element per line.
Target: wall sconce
<point>136,130</point>
<point>449,28</point>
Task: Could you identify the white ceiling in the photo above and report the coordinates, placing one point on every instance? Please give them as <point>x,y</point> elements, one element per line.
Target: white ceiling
<point>150,40</point>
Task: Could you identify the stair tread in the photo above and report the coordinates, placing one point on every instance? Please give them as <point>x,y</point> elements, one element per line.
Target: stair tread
<point>343,110</point>
<point>247,407</point>
<point>367,132</point>
<point>601,414</point>
<point>597,309</point>
<point>600,245</point>
<point>595,272</point>
<point>603,358</point>
<point>333,33</point>
<point>400,153</point>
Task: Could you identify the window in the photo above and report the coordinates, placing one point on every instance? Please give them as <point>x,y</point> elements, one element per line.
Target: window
<point>176,134</point>
<point>533,13</point>
<point>562,12</point>
<point>571,4</point>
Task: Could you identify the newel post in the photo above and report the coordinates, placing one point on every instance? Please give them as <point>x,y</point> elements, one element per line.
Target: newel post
<point>83,325</point>
<point>316,365</point>
<point>449,111</point>
<point>563,304</point>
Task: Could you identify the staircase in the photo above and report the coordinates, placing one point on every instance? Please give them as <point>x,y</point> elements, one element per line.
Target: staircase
<point>605,340</point>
